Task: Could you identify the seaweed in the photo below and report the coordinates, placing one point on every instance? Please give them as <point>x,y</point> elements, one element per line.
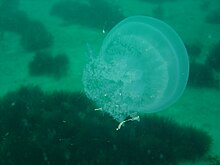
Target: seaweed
<point>214,57</point>
<point>194,50</point>
<point>13,21</point>
<point>95,13</point>
<point>202,75</point>
<point>213,17</point>
<point>34,34</point>
<point>44,64</point>
<point>36,37</point>
<point>213,160</point>
<point>61,127</point>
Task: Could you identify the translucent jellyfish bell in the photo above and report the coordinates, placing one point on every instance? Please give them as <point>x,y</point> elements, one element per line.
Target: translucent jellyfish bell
<point>142,67</point>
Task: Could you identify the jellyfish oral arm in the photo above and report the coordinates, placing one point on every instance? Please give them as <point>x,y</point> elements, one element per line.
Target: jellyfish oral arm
<point>98,109</point>
<point>133,118</point>
<point>136,118</point>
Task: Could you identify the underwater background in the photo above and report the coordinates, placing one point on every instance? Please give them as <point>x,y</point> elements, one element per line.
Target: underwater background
<point>45,117</point>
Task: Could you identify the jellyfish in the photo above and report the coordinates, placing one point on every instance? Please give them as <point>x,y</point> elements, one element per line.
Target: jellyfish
<point>142,67</point>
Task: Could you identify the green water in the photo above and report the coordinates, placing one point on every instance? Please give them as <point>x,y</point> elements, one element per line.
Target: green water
<point>45,117</point>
